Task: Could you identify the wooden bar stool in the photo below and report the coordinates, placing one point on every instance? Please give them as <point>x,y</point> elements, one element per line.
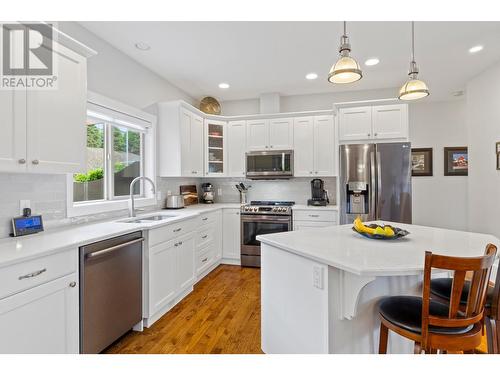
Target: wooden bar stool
<point>434,325</point>
<point>441,291</point>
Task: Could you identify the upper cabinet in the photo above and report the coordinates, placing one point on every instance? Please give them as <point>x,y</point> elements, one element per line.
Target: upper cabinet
<point>236,146</point>
<point>43,130</point>
<point>315,145</point>
<point>274,134</point>
<point>373,123</point>
<point>180,141</point>
<point>215,148</point>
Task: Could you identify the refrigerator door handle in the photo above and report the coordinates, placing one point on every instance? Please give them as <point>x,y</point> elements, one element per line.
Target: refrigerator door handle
<point>373,190</point>
<point>379,185</point>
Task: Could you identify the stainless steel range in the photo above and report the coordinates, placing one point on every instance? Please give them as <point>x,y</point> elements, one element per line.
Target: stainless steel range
<point>262,217</point>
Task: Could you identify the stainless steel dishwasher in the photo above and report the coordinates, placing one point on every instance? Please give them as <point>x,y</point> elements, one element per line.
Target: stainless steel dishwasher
<point>110,290</point>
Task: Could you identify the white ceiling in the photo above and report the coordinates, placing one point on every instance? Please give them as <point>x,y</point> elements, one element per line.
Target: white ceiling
<point>259,57</point>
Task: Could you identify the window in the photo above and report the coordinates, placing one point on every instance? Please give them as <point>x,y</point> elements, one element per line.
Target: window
<point>120,147</point>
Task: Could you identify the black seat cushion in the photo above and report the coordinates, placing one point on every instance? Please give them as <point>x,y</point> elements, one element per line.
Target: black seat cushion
<point>441,287</point>
<point>406,312</point>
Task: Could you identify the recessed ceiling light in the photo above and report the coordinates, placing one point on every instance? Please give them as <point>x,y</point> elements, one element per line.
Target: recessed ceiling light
<point>475,49</point>
<point>142,46</point>
<point>311,76</point>
<point>372,61</point>
<point>223,85</point>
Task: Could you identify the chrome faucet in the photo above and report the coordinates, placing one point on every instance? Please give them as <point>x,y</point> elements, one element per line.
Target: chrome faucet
<point>131,207</point>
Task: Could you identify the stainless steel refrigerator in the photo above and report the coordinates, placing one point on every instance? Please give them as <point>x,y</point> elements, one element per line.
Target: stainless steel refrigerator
<point>375,182</point>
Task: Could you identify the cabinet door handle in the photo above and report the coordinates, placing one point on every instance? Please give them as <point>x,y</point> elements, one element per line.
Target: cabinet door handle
<point>35,162</point>
<point>375,134</point>
<point>72,284</point>
<point>32,274</point>
<point>316,172</point>
<point>313,215</point>
<point>369,135</point>
<point>205,236</point>
<point>205,219</point>
<point>178,243</point>
<point>177,230</point>
<point>22,161</point>
<point>271,146</point>
<point>204,260</point>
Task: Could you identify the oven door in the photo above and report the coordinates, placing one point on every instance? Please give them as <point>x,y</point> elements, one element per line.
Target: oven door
<point>269,164</point>
<point>255,225</point>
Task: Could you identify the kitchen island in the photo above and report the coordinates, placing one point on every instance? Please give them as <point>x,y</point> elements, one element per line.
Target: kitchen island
<point>320,287</point>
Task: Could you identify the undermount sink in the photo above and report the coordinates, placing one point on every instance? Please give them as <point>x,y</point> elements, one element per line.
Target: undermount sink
<point>149,219</point>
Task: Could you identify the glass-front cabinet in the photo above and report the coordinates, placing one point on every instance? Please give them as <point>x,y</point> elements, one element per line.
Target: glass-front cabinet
<point>215,146</point>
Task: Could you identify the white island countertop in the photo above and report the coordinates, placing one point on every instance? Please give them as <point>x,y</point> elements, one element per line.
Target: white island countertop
<point>13,250</point>
<point>342,248</point>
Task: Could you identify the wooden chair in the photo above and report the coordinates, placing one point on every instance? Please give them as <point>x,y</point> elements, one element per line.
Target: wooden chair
<point>441,291</point>
<point>434,325</point>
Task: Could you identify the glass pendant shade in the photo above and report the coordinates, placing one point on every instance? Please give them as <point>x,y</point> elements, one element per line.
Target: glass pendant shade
<point>345,70</point>
<point>413,89</point>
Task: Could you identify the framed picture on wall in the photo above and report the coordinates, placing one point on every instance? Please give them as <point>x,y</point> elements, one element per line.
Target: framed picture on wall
<point>421,162</point>
<point>456,161</point>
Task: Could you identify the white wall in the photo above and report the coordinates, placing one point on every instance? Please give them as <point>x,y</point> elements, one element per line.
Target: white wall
<point>114,74</point>
<point>439,201</point>
<point>483,123</point>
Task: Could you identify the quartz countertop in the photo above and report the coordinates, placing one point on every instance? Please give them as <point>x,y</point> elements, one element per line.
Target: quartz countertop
<point>341,247</point>
<point>13,250</point>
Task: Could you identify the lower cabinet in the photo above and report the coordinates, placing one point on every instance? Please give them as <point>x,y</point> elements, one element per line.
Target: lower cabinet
<point>314,218</point>
<point>170,274</point>
<point>231,235</point>
<point>43,319</point>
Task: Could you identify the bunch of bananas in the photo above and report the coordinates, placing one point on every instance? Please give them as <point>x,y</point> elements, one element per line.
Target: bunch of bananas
<point>386,231</point>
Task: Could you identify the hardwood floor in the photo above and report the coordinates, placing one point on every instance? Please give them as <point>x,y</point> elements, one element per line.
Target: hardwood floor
<point>221,315</point>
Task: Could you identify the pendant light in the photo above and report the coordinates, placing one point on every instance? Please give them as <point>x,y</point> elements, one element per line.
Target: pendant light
<point>346,69</point>
<point>414,88</point>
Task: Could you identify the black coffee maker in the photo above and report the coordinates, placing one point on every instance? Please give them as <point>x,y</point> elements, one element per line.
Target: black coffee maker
<point>319,194</point>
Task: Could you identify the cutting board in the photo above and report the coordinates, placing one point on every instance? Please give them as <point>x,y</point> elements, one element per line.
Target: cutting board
<point>189,194</point>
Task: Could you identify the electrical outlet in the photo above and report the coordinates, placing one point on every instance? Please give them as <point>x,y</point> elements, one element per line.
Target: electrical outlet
<point>24,203</point>
<point>219,192</point>
<point>318,277</point>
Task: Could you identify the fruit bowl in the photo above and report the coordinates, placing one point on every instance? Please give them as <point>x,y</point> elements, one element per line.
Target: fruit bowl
<point>398,233</point>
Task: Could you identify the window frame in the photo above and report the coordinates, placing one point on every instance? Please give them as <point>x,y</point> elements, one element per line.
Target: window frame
<point>148,163</point>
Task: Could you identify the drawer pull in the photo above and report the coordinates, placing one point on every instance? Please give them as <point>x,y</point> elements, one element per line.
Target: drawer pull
<point>204,260</point>
<point>72,284</point>
<point>205,219</point>
<point>205,236</point>
<point>313,215</point>
<point>32,274</point>
<point>178,243</point>
<point>177,230</point>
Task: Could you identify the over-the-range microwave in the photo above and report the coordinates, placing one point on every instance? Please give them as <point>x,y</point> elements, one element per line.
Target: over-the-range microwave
<point>266,165</point>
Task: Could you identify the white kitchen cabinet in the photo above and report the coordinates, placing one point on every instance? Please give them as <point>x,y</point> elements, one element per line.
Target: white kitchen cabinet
<point>215,148</point>
<point>300,225</point>
<point>390,121</point>
<point>43,319</point>
<point>162,281</point>
<point>180,133</point>
<point>281,133</point>
<point>43,130</point>
<point>57,136</point>
<point>257,135</point>
<point>355,124</point>
<point>314,146</point>
<point>185,262</point>
<point>231,235</point>
<point>325,149</point>
<point>303,140</point>
<point>374,123</point>
<point>269,134</point>
<point>236,146</point>
<point>13,139</point>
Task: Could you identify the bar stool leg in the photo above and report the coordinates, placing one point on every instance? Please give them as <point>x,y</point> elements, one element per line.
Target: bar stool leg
<point>384,333</point>
<point>490,336</point>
